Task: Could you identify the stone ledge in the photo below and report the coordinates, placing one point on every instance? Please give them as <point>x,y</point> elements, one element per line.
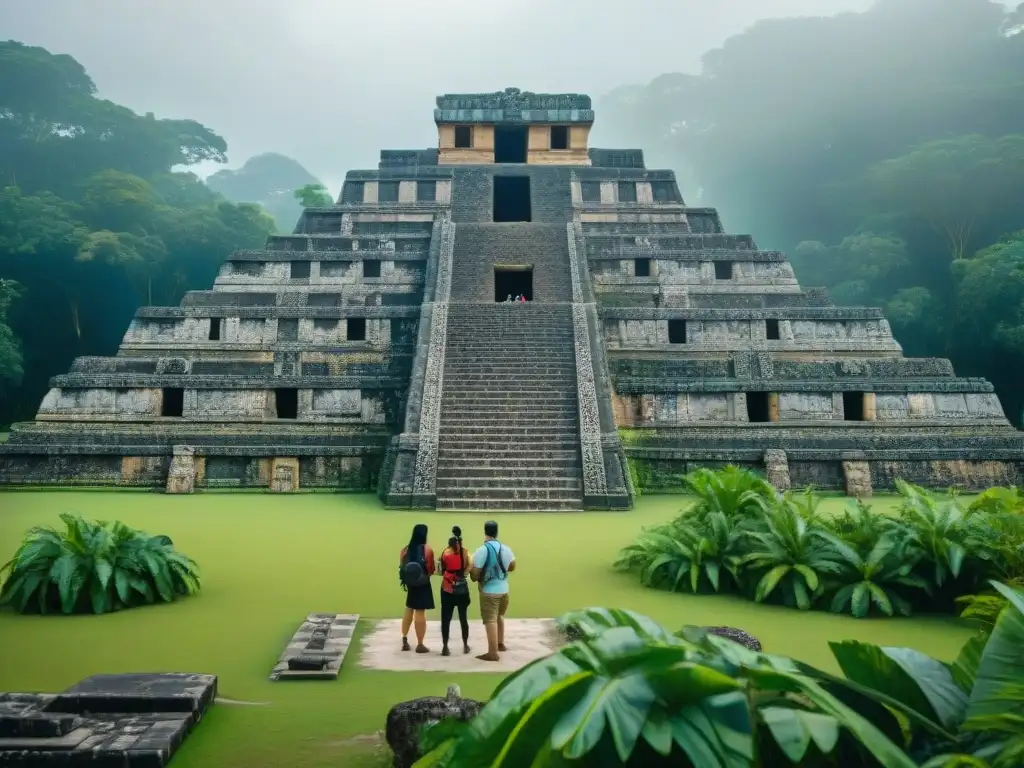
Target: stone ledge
<point>191,381</point>
<point>272,311</point>
<point>753,313</point>
<point>647,386</point>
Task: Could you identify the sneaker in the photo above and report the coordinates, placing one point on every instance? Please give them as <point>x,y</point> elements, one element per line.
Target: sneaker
<point>488,657</point>
<point>465,647</point>
<point>421,648</point>
<point>502,648</point>
<point>445,651</point>
<point>405,644</point>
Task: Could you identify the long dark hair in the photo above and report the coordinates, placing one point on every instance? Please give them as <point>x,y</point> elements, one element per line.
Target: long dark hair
<point>455,543</point>
<point>416,552</point>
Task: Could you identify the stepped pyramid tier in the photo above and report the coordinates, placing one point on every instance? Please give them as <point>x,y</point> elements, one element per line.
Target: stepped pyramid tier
<point>375,345</point>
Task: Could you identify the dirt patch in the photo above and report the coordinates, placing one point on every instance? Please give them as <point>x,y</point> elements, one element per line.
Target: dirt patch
<point>527,640</point>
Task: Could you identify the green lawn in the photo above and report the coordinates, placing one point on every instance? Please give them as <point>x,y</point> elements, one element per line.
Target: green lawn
<point>268,560</point>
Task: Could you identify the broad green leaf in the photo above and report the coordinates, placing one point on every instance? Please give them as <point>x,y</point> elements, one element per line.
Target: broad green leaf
<point>800,596</point>
<point>1002,662</point>
<point>770,580</point>
<point>658,732</point>
<point>534,728</point>
<point>701,751</point>
<point>795,729</point>
<point>965,668</point>
<point>880,598</point>
<point>861,600</point>
<point>713,570</point>
<point>885,751</point>
<point>809,576</point>
<point>916,680</point>
<point>103,571</point>
<point>622,703</point>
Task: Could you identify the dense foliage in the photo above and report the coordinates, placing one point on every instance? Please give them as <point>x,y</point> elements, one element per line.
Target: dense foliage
<point>886,155</point>
<point>629,692</point>
<point>270,180</point>
<point>95,219</point>
<point>94,567</point>
<point>740,537</point>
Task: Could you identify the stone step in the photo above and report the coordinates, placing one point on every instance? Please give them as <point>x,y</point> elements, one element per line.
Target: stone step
<point>541,432</point>
<point>482,505</point>
<point>489,457</point>
<point>509,494</point>
<point>452,469</point>
<point>505,401</point>
<point>500,421</point>
<point>499,480</point>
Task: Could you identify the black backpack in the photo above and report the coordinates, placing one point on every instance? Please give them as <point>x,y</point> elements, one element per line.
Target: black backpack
<point>413,573</point>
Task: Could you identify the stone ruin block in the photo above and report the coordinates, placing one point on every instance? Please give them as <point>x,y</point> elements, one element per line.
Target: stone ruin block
<point>128,720</point>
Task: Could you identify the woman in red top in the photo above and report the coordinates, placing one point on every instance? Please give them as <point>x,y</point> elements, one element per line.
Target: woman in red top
<point>418,599</point>
<point>454,589</point>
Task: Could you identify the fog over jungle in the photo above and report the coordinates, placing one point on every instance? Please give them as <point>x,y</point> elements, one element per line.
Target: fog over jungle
<point>330,83</point>
<point>878,142</point>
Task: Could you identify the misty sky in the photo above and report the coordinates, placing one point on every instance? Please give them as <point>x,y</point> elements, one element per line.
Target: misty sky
<point>331,82</point>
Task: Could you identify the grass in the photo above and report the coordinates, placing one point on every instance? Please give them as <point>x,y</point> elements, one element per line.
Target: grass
<point>268,560</point>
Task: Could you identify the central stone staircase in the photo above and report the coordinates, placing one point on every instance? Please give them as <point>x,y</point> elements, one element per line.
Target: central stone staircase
<point>509,436</point>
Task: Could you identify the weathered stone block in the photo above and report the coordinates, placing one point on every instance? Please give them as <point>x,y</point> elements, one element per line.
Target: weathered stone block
<point>284,474</point>
<point>858,479</point>
<point>776,467</point>
<point>181,477</point>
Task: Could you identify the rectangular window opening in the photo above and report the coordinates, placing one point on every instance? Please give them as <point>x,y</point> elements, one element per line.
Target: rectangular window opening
<point>371,268</point>
<point>772,330</point>
<point>510,282</point>
<point>559,137</point>
<point>676,331</point>
<point>853,406</point>
<point>214,329</point>
<point>723,270</point>
<point>627,191</point>
<point>510,142</point>
<point>357,329</point>
<point>173,403</point>
<point>300,270</point>
<point>286,403</point>
<point>512,198</point>
<point>463,136</point>
<point>757,408</point>
<point>641,267</point>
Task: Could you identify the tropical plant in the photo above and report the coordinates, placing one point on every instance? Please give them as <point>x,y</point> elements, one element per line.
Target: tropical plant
<point>878,578</point>
<point>628,692</point>
<point>939,527</point>
<point>860,527</point>
<point>968,712</point>
<point>789,554</point>
<point>733,491</point>
<point>94,567</point>
<point>683,555</point>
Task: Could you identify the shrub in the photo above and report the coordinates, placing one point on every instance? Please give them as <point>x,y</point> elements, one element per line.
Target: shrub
<point>740,536</point>
<point>629,692</point>
<point>94,567</point>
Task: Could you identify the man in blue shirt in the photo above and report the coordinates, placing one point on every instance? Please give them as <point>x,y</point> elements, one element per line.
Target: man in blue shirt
<point>492,564</point>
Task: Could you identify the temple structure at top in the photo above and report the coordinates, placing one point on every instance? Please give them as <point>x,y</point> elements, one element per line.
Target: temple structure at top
<point>377,346</point>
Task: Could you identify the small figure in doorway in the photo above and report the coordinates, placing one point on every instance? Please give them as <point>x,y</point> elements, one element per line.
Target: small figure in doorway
<point>508,298</point>
<point>522,298</point>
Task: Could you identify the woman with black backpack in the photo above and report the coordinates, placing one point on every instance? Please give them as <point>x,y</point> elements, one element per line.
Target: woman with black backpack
<point>454,589</point>
<point>415,567</point>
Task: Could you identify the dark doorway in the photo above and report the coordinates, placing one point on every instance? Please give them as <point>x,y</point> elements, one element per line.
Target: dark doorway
<point>676,331</point>
<point>287,403</point>
<point>559,136</point>
<point>512,281</point>
<point>300,270</point>
<point>757,407</point>
<point>510,143</point>
<point>723,270</point>
<point>371,269</point>
<point>173,402</point>
<point>641,267</point>
<point>512,198</point>
<point>214,329</point>
<point>772,330</point>
<point>853,406</point>
<point>357,329</point>
<point>463,136</point>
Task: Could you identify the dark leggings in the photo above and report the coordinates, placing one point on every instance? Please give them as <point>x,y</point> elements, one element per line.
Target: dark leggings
<point>448,605</point>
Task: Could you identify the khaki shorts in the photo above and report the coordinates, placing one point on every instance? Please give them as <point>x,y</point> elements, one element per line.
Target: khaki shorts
<point>492,606</point>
